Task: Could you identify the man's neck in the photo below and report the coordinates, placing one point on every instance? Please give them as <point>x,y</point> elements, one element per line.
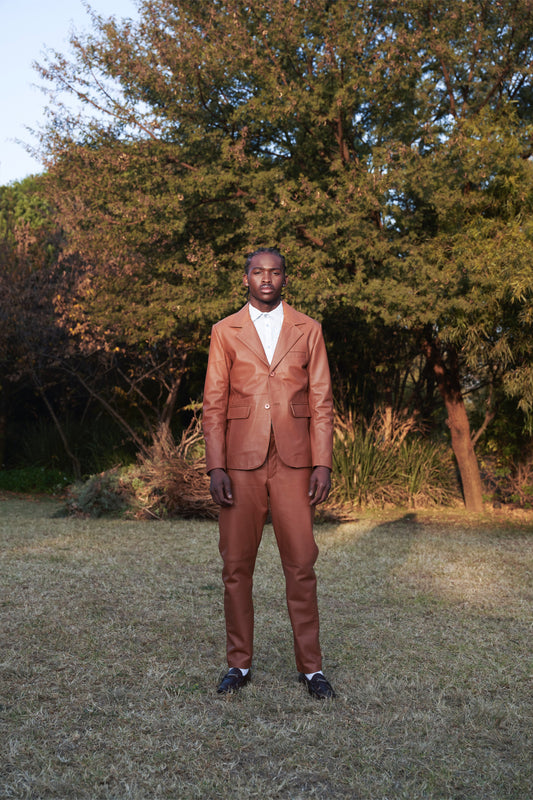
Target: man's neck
<point>264,308</point>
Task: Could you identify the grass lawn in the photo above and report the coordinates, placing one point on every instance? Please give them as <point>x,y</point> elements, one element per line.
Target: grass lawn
<point>112,642</point>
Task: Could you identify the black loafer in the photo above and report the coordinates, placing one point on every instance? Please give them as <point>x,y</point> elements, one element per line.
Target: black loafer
<point>232,681</point>
<point>318,686</point>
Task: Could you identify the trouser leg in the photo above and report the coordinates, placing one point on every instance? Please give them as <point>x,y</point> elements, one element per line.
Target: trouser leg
<point>292,518</point>
<point>241,527</point>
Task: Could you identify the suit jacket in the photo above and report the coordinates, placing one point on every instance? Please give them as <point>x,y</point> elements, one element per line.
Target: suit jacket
<point>245,396</point>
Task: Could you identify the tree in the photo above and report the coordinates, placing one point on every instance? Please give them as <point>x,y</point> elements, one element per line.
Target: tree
<point>135,308</point>
<point>30,339</point>
<point>384,146</point>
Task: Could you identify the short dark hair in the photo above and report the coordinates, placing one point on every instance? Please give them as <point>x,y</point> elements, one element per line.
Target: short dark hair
<point>273,250</point>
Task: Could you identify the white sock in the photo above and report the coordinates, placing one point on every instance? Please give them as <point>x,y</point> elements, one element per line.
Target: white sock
<point>244,671</point>
<point>310,675</point>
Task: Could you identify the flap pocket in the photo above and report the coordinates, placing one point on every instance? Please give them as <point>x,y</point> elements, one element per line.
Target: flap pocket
<point>238,412</point>
<point>300,409</point>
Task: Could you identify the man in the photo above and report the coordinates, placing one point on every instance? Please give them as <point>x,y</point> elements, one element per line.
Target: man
<point>268,426</point>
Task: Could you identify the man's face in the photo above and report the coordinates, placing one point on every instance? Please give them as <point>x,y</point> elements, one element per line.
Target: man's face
<point>265,280</point>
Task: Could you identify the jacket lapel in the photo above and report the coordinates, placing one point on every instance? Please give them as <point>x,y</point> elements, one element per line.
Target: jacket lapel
<point>289,335</point>
<point>291,331</point>
<point>248,335</point>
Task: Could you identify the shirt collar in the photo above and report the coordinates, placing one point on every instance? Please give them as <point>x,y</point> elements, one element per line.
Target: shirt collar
<point>275,314</point>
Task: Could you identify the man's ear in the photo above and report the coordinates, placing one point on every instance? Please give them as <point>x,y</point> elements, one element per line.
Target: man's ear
<point>245,279</point>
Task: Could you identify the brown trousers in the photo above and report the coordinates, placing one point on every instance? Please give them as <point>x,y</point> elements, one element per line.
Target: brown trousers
<point>241,528</point>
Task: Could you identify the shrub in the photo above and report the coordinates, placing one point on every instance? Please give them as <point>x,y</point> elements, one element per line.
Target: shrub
<point>387,462</point>
<point>97,444</point>
<point>509,481</point>
<point>101,495</point>
<point>28,480</point>
<point>427,472</point>
<point>170,481</point>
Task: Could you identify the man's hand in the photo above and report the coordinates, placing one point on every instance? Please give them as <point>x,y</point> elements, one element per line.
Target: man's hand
<point>319,485</point>
<point>220,487</point>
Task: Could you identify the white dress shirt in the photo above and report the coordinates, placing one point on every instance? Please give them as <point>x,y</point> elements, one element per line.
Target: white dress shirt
<point>268,326</point>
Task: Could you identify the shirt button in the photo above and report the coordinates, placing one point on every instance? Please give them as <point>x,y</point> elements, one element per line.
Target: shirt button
<point>267,405</point>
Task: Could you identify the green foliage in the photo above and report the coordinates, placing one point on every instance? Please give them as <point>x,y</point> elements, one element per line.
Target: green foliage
<point>385,462</point>
<point>100,495</point>
<point>27,223</point>
<point>34,480</point>
<point>97,444</point>
<point>426,470</point>
<point>29,243</point>
<point>385,147</point>
<point>509,480</point>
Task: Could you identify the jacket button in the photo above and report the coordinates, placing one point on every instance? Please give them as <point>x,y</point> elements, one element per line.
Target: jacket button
<point>267,405</point>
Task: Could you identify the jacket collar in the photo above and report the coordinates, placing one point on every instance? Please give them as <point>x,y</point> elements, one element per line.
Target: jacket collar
<point>275,314</point>
<point>291,331</point>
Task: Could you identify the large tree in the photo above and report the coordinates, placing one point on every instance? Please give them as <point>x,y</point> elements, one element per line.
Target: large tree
<point>385,146</point>
<point>31,342</point>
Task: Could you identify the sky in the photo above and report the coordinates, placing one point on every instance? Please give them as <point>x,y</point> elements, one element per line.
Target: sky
<point>27,29</point>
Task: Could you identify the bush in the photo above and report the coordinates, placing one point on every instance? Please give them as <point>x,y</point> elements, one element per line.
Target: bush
<point>101,495</point>
<point>383,463</point>
<point>509,481</point>
<point>427,472</point>
<point>387,462</point>
<point>169,481</point>
<point>28,480</point>
<point>97,443</point>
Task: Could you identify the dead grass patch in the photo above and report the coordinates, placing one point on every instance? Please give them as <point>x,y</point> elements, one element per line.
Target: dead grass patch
<point>113,641</point>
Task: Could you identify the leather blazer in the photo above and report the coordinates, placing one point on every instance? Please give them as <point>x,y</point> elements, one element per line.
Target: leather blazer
<point>245,397</point>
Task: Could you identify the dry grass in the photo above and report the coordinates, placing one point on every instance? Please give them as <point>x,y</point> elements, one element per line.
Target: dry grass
<point>112,644</point>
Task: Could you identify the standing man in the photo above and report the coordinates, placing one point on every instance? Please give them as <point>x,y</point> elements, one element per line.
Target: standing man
<point>268,425</point>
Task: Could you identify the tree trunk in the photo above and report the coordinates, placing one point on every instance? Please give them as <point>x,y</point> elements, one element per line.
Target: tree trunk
<point>447,379</point>
<point>163,435</point>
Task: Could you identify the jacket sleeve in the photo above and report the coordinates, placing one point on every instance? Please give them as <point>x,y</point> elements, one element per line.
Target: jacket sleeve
<point>320,403</point>
<point>215,404</point>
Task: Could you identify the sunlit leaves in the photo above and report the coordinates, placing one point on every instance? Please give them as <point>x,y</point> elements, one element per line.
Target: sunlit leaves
<point>383,145</point>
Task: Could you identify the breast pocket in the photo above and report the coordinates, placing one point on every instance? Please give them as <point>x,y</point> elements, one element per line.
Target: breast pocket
<point>296,355</point>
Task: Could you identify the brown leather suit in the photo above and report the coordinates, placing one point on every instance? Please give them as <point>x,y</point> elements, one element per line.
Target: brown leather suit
<point>268,425</point>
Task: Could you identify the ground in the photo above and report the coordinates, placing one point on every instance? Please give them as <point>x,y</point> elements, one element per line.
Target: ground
<point>113,641</point>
